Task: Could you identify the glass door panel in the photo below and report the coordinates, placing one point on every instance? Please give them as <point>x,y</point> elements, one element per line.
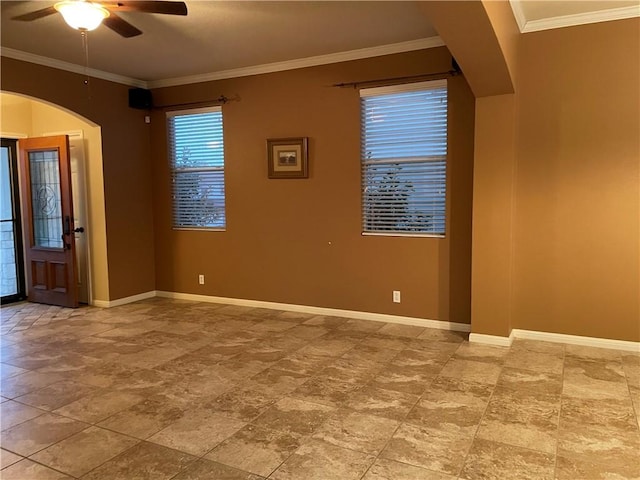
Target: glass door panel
<point>11,262</point>
<point>45,199</point>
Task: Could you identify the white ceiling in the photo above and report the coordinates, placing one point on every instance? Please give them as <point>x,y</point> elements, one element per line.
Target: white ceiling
<point>217,36</point>
<point>543,9</point>
<point>535,15</point>
<point>225,37</point>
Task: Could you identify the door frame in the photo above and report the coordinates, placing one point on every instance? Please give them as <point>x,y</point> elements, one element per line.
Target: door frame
<point>18,238</point>
<point>56,282</point>
<point>83,201</point>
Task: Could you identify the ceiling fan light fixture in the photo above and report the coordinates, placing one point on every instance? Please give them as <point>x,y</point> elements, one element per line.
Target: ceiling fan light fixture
<point>82,15</point>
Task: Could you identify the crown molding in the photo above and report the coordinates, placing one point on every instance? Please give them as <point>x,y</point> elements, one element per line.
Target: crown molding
<point>70,67</point>
<point>411,45</point>
<point>13,135</point>
<point>361,53</point>
<point>582,19</point>
<point>571,20</point>
<point>521,20</point>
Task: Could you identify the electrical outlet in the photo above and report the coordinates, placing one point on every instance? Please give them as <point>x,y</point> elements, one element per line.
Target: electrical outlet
<point>201,279</point>
<point>396,296</point>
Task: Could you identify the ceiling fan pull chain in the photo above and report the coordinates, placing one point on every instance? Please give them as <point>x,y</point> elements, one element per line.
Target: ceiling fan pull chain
<point>85,47</point>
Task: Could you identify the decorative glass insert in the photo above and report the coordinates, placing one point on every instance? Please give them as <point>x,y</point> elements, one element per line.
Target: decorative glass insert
<point>46,199</point>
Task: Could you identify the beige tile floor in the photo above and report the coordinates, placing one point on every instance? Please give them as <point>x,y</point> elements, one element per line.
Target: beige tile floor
<point>163,389</point>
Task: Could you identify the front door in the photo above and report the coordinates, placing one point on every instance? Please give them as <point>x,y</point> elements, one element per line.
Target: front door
<point>48,221</point>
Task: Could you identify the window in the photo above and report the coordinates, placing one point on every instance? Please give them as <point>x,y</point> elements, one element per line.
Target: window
<point>404,157</point>
<point>196,154</point>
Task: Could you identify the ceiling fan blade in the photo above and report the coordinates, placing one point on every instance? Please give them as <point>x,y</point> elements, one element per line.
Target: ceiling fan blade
<point>121,26</point>
<point>44,12</point>
<point>164,7</point>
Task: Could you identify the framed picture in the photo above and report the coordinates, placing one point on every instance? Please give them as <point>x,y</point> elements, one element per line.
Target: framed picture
<point>288,157</point>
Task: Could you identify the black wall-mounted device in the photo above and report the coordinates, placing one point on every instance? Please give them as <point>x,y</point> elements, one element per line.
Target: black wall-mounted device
<point>140,98</point>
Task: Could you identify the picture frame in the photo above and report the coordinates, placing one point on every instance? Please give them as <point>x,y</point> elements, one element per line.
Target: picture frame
<point>288,157</point>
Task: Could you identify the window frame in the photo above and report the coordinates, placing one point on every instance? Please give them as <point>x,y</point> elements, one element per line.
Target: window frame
<point>390,90</point>
<point>174,170</point>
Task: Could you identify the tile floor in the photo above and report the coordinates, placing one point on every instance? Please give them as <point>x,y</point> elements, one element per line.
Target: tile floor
<point>165,389</point>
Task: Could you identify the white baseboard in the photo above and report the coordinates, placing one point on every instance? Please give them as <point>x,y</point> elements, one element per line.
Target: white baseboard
<point>382,317</point>
<point>577,340</point>
<point>123,301</point>
<point>490,339</point>
<point>376,317</point>
<point>596,342</point>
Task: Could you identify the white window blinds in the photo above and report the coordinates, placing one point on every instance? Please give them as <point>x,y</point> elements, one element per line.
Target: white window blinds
<point>196,150</point>
<point>404,153</point>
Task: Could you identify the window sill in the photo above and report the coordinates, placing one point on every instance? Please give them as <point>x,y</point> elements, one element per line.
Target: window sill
<point>200,229</point>
<point>414,235</point>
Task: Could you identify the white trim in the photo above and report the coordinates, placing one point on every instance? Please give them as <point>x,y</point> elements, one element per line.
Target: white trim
<point>555,338</point>
<point>582,18</point>
<point>577,340</point>
<point>490,339</point>
<point>79,135</point>
<point>401,47</point>
<point>193,111</point>
<point>382,317</point>
<point>13,136</point>
<point>406,87</point>
<point>585,18</point>
<point>406,235</point>
<point>70,67</point>
<point>123,301</point>
<point>198,229</point>
<point>72,133</point>
<point>376,317</point>
<point>419,44</point>
<point>521,20</point>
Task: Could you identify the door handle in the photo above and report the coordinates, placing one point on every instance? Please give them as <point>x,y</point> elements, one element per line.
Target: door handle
<point>79,230</point>
<point>66,232</point>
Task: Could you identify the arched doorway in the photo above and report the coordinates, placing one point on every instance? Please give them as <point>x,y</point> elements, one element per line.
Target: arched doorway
<point>24,117</point>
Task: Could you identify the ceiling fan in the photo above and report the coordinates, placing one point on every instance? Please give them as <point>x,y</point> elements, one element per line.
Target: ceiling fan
<point>85,15</point>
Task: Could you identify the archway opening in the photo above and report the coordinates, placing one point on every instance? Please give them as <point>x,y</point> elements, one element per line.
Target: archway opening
<point>21,117</point>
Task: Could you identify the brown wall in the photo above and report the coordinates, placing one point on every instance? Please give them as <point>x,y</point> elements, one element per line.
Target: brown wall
<point>126,165</point>
<point>481,39</point>
<point>556,236</point>
<point>299,241</point>
<point>484,38</point>
<point>506,31</point>
<point>493,215</point>
<point>577,243</point>
<point>573,178</point>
